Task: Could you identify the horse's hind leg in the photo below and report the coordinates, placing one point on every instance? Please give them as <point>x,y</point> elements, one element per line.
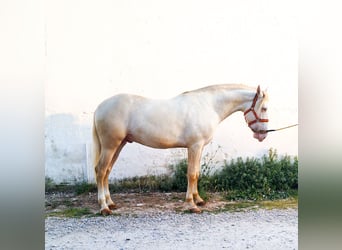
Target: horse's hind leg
<point>111,205</point>
<point>101,170</point>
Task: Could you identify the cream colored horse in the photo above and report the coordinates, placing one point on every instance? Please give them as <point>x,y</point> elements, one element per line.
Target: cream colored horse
<point>187,120</point>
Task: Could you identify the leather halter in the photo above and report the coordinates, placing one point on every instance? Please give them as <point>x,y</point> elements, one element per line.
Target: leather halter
<point>251,109</point>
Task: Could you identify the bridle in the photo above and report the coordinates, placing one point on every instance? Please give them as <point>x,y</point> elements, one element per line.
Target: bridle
<point>256,117</point>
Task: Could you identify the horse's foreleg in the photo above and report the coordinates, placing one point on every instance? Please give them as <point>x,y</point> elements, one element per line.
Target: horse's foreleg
<point>197,198</point>
<point>194,157</point>
<point>111,205</point>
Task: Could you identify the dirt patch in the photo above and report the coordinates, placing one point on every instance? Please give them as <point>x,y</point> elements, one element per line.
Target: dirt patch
<point>129,203</point>
<point>154,202</point>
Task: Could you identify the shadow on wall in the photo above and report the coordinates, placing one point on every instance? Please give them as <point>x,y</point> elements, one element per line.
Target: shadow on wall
<point>68,148</point>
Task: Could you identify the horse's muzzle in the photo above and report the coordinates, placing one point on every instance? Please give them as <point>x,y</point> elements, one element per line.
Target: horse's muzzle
<point>260,136</point>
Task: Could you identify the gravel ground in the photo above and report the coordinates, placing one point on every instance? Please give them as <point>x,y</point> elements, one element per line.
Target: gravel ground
<point>253,229</point>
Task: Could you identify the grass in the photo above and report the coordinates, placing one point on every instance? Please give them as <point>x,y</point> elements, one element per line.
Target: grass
<point>239,206</point>
<point>279,204</point>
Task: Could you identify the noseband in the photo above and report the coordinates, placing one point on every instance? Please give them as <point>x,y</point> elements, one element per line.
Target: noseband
<point>256,117</point>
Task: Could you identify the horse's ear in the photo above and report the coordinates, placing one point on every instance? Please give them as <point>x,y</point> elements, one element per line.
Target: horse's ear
<point>258,90</point>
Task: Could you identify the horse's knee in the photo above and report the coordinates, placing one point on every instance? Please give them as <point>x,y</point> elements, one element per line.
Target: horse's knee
<point>192,176</point>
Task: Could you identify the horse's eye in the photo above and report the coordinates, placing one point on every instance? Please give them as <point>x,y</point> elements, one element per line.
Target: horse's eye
<point>263,109</point>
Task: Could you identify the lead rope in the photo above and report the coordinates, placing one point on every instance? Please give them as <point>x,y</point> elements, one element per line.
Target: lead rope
<point>272,130</point>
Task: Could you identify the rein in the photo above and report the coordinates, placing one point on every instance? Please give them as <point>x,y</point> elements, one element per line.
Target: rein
<point>272,130</point>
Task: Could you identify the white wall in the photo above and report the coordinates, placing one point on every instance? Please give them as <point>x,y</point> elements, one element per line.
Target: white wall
<point>96,49</point>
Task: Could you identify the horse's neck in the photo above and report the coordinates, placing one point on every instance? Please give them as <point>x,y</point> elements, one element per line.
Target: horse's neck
<point>228,101</point>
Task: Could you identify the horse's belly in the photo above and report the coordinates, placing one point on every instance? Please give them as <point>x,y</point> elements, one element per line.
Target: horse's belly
<point>155,138</point>
<point>160,144</point>
<point>170,135</point>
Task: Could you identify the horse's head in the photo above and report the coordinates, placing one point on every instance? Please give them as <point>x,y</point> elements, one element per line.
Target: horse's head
<point>256,116</point>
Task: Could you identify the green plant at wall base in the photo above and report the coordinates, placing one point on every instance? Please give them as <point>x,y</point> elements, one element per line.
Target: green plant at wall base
<point>179,179</point>
<point>50,185</point>
<point>205,181</point>
<point>84,187</point>
<point>270,177</point>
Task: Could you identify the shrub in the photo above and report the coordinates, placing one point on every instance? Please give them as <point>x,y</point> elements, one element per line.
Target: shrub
<point>178,179</point>
<point>265,178</point>
<point>50,185</point>
<point>84,187</point>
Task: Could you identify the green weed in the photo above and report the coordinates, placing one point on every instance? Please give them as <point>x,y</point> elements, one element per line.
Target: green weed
<point>85,187</point>
<point>270,177</point>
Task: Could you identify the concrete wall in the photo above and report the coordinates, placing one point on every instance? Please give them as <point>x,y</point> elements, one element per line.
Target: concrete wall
<point>96,49</point>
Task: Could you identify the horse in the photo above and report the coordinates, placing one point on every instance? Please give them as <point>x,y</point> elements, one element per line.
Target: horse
<point>187,120</point>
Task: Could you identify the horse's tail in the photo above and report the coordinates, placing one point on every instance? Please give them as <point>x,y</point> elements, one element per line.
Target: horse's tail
<point>96,146</point>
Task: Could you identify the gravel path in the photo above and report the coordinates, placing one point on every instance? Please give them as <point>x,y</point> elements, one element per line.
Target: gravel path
<point>253,229</point>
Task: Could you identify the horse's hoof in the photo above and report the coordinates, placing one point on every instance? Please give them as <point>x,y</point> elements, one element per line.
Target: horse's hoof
<point>112,206</point>
<point>106,212</point>
<point>200,203</point>
<point>195,210</point>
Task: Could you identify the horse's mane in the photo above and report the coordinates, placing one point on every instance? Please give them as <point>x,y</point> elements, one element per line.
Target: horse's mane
<point>220,87</point>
